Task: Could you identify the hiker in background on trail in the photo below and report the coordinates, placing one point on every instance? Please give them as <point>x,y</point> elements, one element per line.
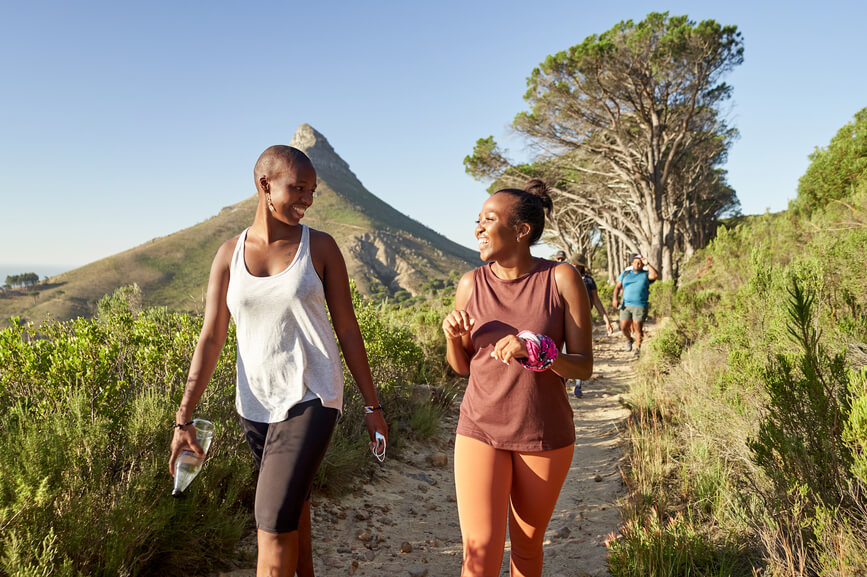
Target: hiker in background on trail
<point>275,280</point>
<point>595,301</point>
<point>634,282</point>
<point>515,435</point>
<point>593,292</point>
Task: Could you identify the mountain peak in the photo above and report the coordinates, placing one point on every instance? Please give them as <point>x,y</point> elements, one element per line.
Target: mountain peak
<point>385,250</point>
<point>306,136</point>
<point>316,146</point>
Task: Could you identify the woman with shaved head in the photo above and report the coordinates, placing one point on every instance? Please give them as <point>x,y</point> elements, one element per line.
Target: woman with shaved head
<point>275,280</point>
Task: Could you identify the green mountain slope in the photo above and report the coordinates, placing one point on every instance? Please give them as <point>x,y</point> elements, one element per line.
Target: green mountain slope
<point>385,250</point>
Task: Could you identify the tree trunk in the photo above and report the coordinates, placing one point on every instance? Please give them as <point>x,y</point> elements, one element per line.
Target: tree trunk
<point>667,272</point>
<point>667,266</point>
<point>621,259</point>
<point>653,253</point>
<point>609,248</point>
<point>688,249</point>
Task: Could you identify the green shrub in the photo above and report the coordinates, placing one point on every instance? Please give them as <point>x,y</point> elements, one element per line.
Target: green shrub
<point>85,409</point>
<point>425,420</point>
<point>402,295</point>
<point>835,170</point>
<point>799,443</point>
<point>841,544</point>
<point>666,345</point>
<point>19,561</point>
<point>855,434</point>
<point>392,351</point>
<point>661,297</point>
<point>655,546</point>
<point>605,291</point>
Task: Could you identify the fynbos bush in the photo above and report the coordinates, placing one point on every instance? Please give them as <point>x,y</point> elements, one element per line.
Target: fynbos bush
<point>85,411</point>
<point>799,443</point>
<point>855,434</point>
<point>85,407</point>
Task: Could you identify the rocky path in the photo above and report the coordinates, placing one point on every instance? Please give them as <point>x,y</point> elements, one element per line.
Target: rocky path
<point>406,522</point>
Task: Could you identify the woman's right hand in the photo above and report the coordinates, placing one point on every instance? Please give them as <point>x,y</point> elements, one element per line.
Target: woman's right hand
<point>184,438</point>
<point>457,324</point>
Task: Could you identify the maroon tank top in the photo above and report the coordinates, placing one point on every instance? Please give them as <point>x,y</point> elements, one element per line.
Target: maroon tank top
<point>508,406</point>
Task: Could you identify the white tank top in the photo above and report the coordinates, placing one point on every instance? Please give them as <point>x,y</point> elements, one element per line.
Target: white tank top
<point>287,352</point>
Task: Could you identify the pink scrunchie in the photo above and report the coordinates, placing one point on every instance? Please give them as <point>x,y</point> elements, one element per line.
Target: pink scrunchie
<point>541,351</point>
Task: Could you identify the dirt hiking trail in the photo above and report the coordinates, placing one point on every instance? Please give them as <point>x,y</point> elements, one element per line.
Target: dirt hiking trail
<point>405,523</point>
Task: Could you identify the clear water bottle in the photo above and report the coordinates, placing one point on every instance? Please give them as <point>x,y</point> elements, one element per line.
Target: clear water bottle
<point>188,463</point>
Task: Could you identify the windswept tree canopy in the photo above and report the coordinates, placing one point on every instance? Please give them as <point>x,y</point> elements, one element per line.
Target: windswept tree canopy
<point>631,119</point>
<point>835,170</point>
<point>22,280</point>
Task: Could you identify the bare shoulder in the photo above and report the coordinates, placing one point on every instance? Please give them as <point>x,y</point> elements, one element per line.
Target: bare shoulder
<point>322,242</point>
<point>464,289</point>
<point>326,256</point>
<point>224,254</point>
<point>466,282</point>
<point>565,273</point>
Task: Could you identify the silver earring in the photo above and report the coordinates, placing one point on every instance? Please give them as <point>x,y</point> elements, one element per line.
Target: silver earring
<point>268,199</point>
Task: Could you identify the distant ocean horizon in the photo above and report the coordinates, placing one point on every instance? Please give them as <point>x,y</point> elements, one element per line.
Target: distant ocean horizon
<point>43,270</point>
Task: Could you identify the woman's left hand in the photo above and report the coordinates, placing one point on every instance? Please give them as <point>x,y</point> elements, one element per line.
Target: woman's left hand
<point>508,348</point>
<point>375,422</point>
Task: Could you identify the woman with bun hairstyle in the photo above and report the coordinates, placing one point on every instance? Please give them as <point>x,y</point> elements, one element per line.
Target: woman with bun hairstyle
<point>515,435</point>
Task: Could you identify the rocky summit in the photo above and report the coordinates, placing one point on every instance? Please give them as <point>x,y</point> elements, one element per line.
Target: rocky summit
<point>385,250</point>
<point>394,252</point>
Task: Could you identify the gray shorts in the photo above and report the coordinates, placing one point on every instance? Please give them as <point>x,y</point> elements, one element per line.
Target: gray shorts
<point>637,314</point>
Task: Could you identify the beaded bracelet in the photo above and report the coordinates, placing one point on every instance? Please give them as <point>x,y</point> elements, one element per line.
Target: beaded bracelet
<point>180,425</point>
<point>368,409</point>
<point>541,351</point>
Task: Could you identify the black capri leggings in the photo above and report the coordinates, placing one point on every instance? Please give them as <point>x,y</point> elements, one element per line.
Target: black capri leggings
<point>288,454</point>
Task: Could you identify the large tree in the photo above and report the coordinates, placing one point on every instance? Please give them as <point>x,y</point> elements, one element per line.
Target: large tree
<point>636,112</point>
<point>834,171</point>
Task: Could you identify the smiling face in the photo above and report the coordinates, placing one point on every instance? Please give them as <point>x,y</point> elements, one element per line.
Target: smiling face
<point>497,237</point>
<point>290,188</point>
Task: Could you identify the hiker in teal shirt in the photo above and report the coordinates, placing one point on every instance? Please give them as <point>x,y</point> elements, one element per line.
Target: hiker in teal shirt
<point>635,284</point>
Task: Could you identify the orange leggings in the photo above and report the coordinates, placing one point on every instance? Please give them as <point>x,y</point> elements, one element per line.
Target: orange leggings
<point>493,484</point>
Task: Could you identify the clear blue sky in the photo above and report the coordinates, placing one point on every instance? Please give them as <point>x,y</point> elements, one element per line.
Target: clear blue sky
<point>124,121</point>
